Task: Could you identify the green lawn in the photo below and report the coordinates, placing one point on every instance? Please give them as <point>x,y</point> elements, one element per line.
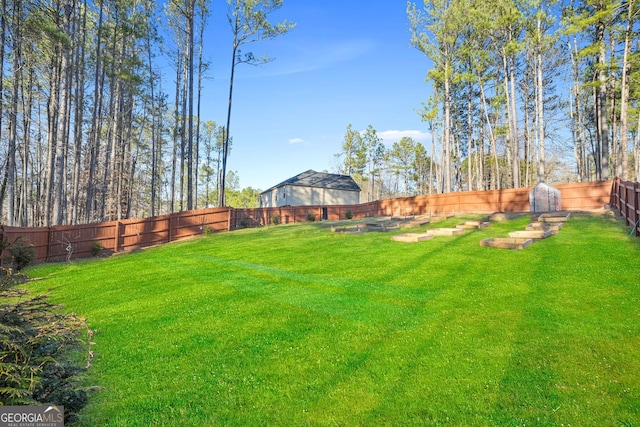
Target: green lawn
<point>294,325</point>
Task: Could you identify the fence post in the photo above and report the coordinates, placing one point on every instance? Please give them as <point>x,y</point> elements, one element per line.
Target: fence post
<point>636,207</point>
<point>627,202</point>
<point>116,237</point>
<point>613,198</point>
<point>49,243</point>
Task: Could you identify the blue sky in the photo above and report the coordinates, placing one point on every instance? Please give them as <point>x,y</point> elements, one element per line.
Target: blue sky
<point>347,61</point>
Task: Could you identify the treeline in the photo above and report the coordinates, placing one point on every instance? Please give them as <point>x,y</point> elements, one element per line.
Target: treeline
<point>400,170</point>
<point>89,130</point>
<point>520,88</point>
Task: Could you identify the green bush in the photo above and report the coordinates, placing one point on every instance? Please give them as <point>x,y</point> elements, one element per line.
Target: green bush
<point>275,220</point>
<point>22,253</point>
<point>311,217</point>
<point>348,214</point>
<point>96,248</point>
<point>40,356</point>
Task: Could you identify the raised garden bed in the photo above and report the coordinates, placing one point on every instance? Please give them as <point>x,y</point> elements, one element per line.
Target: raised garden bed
<point>441,216</point>
<point>530,234</point>
<point>546,226</point>
<point>506,243</point>
<point>470,225</point>
<point>554,217</point>
<point>382,226</point>
<point>446,231</point>
<point>351,229</point>
<point>504,216</point>
<point>412,237</point>
<point>416,222</point>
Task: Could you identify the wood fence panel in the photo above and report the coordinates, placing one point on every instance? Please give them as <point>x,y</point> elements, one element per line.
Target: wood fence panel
<point>444,203</point>
<point>193,223</point>
<point>36,236</point>
<point>76,241</point>
<point>585,195</point>
<point>140,233</point>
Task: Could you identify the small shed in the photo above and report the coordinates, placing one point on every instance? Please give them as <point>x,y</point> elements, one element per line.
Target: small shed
<point>544,198</point>
<point>312,188</point>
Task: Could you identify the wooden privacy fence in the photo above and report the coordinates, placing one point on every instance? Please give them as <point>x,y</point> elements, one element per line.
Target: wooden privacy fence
<point>77,241</point>
<point>625,198</point>
<point>576,196</point>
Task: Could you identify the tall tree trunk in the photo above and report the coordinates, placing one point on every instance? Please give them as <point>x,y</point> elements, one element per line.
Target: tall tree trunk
<point>176,133</point>
<point>190,31</point>
<point>52,133</point>
<point>596,146</point>
<point>225,146</point>
<point>481,183</point>
<point>446,143</point>
<point>495,176</point>
<point>624,97</point>
<point>540,105</point>
<point>203,20</point>
<point>125,180</point>
<point>528,140</point>
<point>514,117</point>
<point>614,149</point>
<point>3,30</point>
<point>505,82</point>
<point>183,130</point>
<point>10,171</point>
<point>154,142</point>
<point>603,127</point>
<point>579,139</point>
<point>27,101</point>
<point>115,108</point>
<point>577,144</point>
<point>96,122</point>
<point>469,139</point>
<point>79,83</point>
<point>62,137</point>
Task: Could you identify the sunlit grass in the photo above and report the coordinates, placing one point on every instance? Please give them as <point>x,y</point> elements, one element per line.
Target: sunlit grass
<point>294,325</point>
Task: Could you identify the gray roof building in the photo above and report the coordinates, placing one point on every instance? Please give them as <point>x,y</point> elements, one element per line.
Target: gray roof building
<point>312,188</point>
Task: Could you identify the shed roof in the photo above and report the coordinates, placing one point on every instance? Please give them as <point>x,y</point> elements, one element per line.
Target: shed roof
<point>312,178</point>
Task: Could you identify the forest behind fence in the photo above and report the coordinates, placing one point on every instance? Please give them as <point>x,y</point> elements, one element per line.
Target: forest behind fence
<point>58,243</point>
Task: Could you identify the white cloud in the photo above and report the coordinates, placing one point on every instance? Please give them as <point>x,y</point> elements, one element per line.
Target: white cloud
<point>391,136</point>
<point>296,141</point>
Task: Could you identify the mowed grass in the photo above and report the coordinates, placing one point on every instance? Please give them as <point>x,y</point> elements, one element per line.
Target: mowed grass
<point>293,325</point>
